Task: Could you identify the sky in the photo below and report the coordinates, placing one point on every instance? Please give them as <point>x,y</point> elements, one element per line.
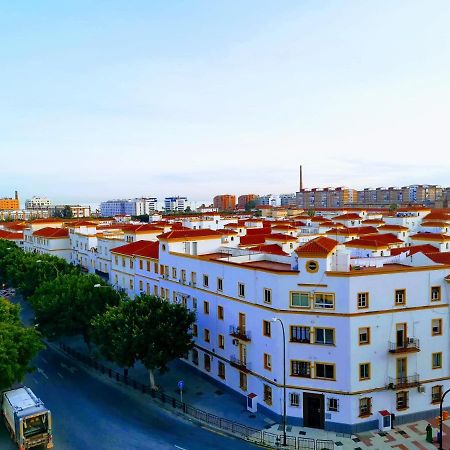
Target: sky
<point>118,99</point>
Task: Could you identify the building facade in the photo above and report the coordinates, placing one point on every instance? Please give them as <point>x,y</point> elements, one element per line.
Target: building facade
<point>224,202</point>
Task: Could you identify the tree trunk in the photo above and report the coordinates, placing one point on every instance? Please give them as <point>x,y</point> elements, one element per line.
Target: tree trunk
<point>151,376</point>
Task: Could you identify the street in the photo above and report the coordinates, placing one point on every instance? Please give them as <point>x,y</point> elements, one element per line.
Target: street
<point>91,412</point>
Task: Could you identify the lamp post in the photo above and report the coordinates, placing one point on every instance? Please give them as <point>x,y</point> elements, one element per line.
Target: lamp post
<point>276,319</point>
<point>440,415</point>
<point>39,261</point>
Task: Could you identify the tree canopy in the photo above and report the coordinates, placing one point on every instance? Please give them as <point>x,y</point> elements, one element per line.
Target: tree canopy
<point>18,345</point>
<point>147,329</point>
<point>66,305</point>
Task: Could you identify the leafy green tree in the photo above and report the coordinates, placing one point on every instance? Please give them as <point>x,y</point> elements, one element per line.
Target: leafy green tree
<point>251,204</point>
<point>18,345</point>
<point>311,212</point>
<point>147,329</point>
<point>393,207</point>
<point>66,305</point>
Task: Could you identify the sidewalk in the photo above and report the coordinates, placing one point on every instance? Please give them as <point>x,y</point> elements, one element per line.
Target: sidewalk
<point>211,397</point>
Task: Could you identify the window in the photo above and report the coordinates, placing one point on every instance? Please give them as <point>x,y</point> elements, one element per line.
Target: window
<point>193,278</point>
<point>194,303</point>
<point>402,400</point>
<point>194,330</point>
<point>155,267</point>
<point>131,263</point>
<point>363,300</point>
<point>206,335</point>
<point>364,371</point>
<point>219,284</point>
<point>140,285</point>
<point>141,264</point>
<point>266,328</point>
<point>436,360</point>
<point>436,394</point>
<point>300,334</point>
<point>400,296</point>
<point>325,301</point>
<point>174,272</point>
<point>364,336</point>
<point>207,362</point>
<point>300,300</point>
<point>333,404</point>
<point>131,284</point>
<point>221,370</point>
<point>123,262</point>
<point>205,280</point>
<point>435,293</point>
<point>300,369</point>
<point>324,370</point>
<point>267,394</point>
<point>148,266</point>
<point>220,312</point>
<point>294,399</point>
<point>241,289</point>
<point>183,275</point>
<point>324,336</point>
<point>206,307</point>
<point>312,266</point>
<point>243,381</point>
<point>436,327</point>
<point>365,406</point>
<point>267,361</point>
<point>221,341</point>
<point>195,356</point>
<point>267,295</point>
<point>155,290</point>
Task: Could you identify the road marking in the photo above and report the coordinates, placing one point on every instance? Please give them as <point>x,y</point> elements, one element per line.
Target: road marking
<point>60,376</point>
<point>42,372</point>
<point>180,448</point>
<point>43,359</point>
<point>72,370</point>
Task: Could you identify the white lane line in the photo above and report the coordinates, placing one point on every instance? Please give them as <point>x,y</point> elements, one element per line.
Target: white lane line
<point>70,369</point>
<point>42,373</point>
<point>59,375</point>
<point>180,448</point>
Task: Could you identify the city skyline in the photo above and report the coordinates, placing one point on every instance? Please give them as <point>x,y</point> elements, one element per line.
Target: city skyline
<point>104,101</point>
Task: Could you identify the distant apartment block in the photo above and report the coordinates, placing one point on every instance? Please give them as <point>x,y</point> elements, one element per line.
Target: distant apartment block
<point>326,197</point>
<point>76,211</point>
<point>244,200</point>
<point>36,202</point>
<point>175,204</point>
<point>10,203</point>
<point>269,200</point>
<point>288,199</point>
<point>132,207</point>
<point>224,202</point>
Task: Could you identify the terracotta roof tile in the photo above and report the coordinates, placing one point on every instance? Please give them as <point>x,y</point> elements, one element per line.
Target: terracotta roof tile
<point>147,249</point>
<point>52,233</point>
<point>190,234</point>
<point>318,246</point>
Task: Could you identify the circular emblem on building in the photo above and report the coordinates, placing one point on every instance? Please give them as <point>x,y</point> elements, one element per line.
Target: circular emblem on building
<point>312,266</point>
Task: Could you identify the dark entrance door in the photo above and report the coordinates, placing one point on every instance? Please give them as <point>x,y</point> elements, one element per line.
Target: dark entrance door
<point>313,410</point>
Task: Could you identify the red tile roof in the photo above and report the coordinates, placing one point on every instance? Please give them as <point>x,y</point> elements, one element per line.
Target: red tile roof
<point>281,237</point>
<point>378,241</point>
<point>348,216</point>
<point>52,233</point>
<point>8,235</point>
<point>440,257</point>
<point>393,228</point>
<point>147,249</point>
<point>190,234</point>
<point>253,239</point>
<point>426,248</point>
<point>431,236</point>
<point>272,249</point>
<point>435,223</point>
<point>319,246</point>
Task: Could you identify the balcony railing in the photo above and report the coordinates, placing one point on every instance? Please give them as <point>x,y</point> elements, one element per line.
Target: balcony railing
<point>240,333</point>
<point>403,382</point>
<point>239,364</point>
<point>408,346</point>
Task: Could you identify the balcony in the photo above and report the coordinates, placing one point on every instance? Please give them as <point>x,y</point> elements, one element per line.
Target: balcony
<point>403,382</point>
<point>240,333</point>
<point>244,366</point>
<point>410,345</point>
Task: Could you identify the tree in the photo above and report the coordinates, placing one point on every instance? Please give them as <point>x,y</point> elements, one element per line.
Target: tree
<point>251,204</point>
<point>311,212</point>
<point>393,207</point>
<point>18,345</point>
<point>147,329</point>
<point>66,305</point>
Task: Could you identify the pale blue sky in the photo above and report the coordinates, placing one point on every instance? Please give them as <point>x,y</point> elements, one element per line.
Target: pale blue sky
<point>103,99</point>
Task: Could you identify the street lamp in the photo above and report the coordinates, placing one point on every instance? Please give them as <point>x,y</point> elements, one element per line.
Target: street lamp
<point>440,415</point>
<point>276,319</point>
<point>39,261</point>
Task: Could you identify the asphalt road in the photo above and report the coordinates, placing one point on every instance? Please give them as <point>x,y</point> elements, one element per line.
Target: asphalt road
<point>92,412</point>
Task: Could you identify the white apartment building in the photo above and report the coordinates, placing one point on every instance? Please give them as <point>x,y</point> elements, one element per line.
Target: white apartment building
<point>358,341</point>
<point>175,204</point>
<point>36,202</point>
